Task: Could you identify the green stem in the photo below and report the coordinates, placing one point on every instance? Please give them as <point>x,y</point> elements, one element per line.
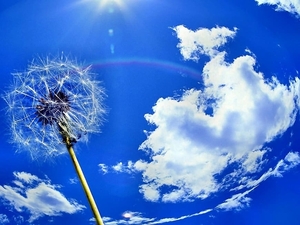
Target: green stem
<point>84,183</point>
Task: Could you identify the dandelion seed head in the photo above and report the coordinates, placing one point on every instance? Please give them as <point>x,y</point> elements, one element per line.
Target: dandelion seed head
<point>52,96</point>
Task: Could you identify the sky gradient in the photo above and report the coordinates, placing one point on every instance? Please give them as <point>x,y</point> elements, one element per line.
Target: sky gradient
<point>202,112</point>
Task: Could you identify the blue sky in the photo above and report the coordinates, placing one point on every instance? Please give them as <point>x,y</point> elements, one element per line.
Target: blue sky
<point>202,112</point>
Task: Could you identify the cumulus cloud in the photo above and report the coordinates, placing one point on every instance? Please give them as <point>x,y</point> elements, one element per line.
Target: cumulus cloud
<point>215,139</point>
<point>291,6</point>
<point>200,134</point>
<point>223,126</point>
<point>202,41</point>
<point>37,196</point>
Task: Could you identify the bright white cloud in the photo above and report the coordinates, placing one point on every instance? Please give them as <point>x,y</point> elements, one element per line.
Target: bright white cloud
<point>119,167</point>
<point>225,125</point>
<point>25,177</point>
<point>201,133</point>
<point>214,139</point>
<point>291,6</point>
<point>173,219</point>
<point>37,196</point>
<point>204,131</point>
<point>202,41</point>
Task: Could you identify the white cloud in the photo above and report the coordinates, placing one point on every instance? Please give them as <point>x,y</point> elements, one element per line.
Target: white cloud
<point>173,219</point>
<point>202,41</point>
<point>291,160</point>
<point>3,219</point>
<point>121,167</point>
<point>130,217</point>
<point>223,126</point>
<point>103,168</point>
<point>201,133</point>
<point>215,139</point>
<point>291,6</point>
<point>235,202</point>
<point>37,196</point>
<point>73,180</point>
<point>239,201</point>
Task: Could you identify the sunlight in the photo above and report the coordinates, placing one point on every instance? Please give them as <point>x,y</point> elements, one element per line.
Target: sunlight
<point>104,4</point>
<point>108,1</point>
<point>118,3</point>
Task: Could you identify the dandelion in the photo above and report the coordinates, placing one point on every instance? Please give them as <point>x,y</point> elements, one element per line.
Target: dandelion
<point>52,105</point>
<point>52,97</point>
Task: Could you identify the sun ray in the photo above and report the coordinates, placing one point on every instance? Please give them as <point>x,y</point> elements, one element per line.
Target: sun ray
<point>109,5</point>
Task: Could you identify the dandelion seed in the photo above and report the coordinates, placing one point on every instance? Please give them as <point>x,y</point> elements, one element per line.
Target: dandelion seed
<point>52,105</point>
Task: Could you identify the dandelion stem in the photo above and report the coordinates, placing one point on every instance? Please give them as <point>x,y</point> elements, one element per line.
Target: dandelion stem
<point>56,101</point>
<point>84,183</point>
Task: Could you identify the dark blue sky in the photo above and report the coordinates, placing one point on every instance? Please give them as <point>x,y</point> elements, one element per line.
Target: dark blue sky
<point>202,112</point>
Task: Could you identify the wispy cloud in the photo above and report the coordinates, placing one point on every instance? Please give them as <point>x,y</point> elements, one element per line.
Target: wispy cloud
<point>103,168</point>
<point>73,180</point>
<point>37,196</point>
<point>235,202</point>
<point>173,219</point>
<point>3,219</point>
<point>291,160</point>
<point>120,167</point>
<point>138,218</point>
<point>239,201</point>
<point>291,6</point>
